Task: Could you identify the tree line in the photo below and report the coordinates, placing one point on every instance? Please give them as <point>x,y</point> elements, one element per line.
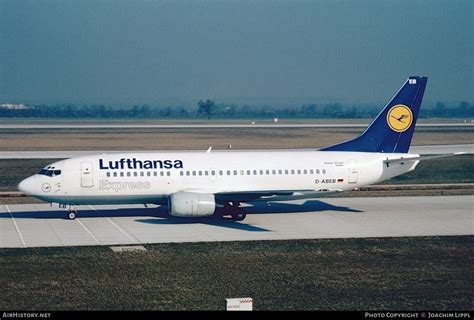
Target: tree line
<point>208,109</point>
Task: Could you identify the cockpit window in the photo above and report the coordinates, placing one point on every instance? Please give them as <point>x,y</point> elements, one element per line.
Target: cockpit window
<point>49,172</point>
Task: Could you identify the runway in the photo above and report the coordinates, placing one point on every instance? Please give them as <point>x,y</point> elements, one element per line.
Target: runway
<point>39,225</point>
<point>213,126</point>
<point>54,154</point>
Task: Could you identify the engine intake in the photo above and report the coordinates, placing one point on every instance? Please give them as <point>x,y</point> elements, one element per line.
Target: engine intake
<point>190,204</point>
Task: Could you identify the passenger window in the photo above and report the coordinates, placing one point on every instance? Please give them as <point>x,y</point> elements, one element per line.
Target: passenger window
<point>213,173</point>
<point>128,174</point>
<point>242,172</point>
<point>299,171</point>
<point>108,174</point>
<point>311,171</point>
<point>273,172</point>
<point>188,173</point>
<point>292,171</point>
<point>142,173</point>
<point>261,172</point>
<point>200,173</point>
<point>181,173</point>
<point>255,172</point>
<point>155,174</point>
<point>317,171</point>
<point>280,172</point>
<point>194,173</point>
<point>324,171</point>
<point>168,173</point>
<point>248,172</point>
<point>286,171</point>
<point>267,172</point>
<point>221,172</point>
<point>115,174</point>
<point>235,172</point>
<point>228,172</point>
<point>135,174</point>
<point>148,173</point>
<point>121,174</point>
<point>305,171</point>
<point>206,173</point>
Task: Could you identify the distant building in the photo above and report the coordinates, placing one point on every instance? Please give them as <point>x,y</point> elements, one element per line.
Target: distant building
<point>13,106</point>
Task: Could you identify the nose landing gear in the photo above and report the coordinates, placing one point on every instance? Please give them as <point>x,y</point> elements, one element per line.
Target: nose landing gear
<point>72,214</point>
<point>71,210</point>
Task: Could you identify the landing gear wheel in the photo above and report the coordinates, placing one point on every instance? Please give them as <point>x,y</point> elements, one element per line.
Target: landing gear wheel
<point>239,216</point>
<point>72,215</point>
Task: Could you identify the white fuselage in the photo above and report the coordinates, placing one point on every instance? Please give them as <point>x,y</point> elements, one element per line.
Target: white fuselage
<point>151,177</point>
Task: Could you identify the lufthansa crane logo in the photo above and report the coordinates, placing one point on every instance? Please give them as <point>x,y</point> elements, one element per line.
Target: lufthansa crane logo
<point>46,187</point>
<point>399,118</point>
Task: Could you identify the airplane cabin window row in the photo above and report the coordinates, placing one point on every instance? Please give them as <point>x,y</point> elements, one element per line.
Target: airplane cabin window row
<point>138,174</point>
<point>219,172</point>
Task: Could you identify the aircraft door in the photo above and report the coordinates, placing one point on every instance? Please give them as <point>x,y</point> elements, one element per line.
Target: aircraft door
<point>87,180</point>
<point>353,171</point>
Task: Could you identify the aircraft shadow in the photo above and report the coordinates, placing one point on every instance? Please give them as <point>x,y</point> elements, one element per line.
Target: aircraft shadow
<point>161,212</point>
<point>213,221</point>
<point>89,213</point>
<point>307,206</point>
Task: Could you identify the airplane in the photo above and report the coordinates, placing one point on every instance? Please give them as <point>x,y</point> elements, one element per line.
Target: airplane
<point>217,183</point>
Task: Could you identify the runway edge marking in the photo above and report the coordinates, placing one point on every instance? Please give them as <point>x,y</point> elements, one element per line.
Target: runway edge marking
<point>16,227</point>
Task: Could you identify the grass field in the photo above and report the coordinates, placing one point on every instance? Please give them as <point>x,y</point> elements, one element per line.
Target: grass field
<point>355,274</point>
<point>458,169</point>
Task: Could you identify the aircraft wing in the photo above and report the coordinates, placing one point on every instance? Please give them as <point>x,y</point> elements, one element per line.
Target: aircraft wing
<point>272,195</point>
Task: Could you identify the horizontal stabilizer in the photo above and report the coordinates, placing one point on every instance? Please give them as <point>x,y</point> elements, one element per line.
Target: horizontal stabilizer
<point>402,159</point>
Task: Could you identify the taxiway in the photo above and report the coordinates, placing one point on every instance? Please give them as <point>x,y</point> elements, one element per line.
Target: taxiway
<point>39,225</point>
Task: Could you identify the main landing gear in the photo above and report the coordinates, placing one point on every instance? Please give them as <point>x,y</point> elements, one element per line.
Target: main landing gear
<point>234,210</point>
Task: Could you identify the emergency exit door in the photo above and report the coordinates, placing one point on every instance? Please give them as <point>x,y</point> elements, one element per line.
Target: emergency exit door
<point>87,180</point>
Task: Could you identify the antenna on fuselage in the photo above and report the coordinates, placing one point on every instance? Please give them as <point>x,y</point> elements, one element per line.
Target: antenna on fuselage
<point>209,150</point>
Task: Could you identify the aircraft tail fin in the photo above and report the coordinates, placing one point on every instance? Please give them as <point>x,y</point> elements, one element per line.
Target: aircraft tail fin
<point>392,130</point>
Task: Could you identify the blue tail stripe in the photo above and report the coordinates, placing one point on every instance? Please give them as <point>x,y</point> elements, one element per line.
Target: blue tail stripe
<point>392,132</point>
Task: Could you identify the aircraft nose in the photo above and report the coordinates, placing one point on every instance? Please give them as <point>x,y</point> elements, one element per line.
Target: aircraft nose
<point>27,185</point>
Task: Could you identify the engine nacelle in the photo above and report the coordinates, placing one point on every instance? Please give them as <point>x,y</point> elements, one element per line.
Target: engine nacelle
<point>190,204</point>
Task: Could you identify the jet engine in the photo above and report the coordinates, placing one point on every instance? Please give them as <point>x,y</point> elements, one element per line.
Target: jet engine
<point>190,204</point>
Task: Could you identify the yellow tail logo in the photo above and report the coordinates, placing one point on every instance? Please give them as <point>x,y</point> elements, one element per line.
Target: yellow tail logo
<point>399,118</point>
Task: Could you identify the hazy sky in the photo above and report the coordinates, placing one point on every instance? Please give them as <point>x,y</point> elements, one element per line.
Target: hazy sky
<point>120,52</point>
